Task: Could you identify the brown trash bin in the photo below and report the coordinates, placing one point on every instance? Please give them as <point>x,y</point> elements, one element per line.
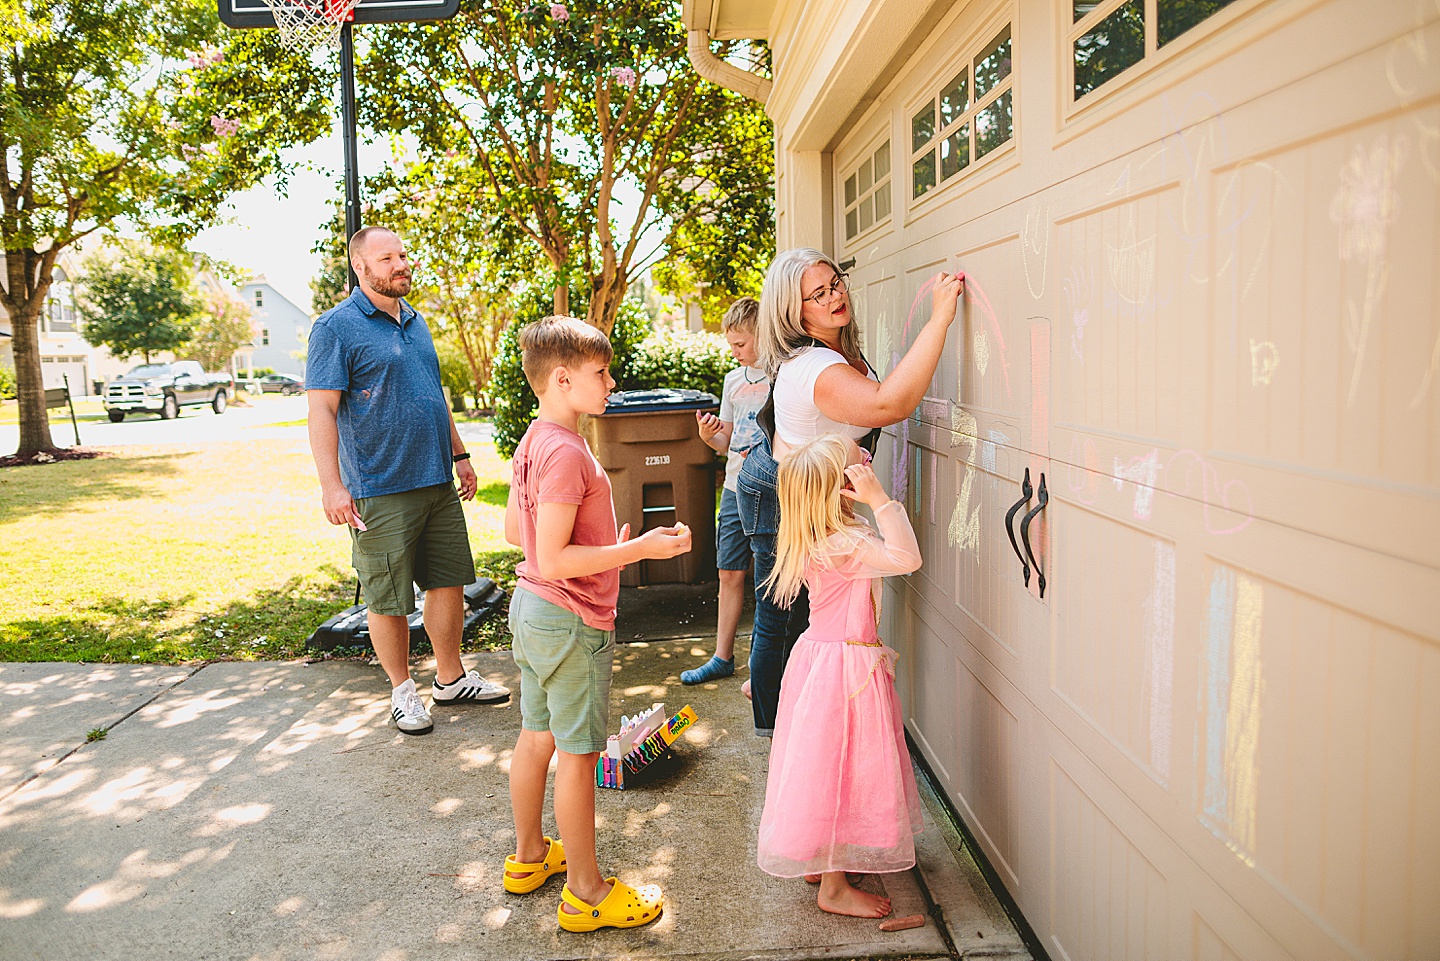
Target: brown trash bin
<point>661,473</point>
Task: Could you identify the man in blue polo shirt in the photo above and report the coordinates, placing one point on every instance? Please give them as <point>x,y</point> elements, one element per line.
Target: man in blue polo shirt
<point>384,444</point>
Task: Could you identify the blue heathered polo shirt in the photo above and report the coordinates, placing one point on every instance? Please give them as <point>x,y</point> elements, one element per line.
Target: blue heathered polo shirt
<point>394,425</point>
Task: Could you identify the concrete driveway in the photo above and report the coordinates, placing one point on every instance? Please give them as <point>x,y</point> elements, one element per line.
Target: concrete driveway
<point>268,812</point>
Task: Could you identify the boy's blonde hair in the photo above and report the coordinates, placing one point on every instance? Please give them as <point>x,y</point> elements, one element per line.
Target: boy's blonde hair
<point>558,341</point>
<point>811,509</point>
<point>741,316</point>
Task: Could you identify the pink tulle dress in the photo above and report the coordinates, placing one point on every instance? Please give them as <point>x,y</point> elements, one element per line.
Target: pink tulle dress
<point>841,793</point>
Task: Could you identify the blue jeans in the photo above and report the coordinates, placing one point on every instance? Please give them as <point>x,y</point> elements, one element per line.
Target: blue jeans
<point>776,629</point>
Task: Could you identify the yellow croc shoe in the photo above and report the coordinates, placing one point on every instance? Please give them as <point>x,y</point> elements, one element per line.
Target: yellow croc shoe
<point>539,872</point>
<point>623,907</point>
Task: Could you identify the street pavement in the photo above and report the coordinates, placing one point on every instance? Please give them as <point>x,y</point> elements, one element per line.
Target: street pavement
<point>269,812</point>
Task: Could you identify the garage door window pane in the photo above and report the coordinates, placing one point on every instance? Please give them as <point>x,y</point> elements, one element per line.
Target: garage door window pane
<point>866,181</point>
<point>955,99</point>
<point>993,64</point>
<point>882,161</point>
<point>850,190</point>
<point>1116,44</point>
<point>1177,16</point>
<point>994,125</point>
<point>955,153</point>
<point>851,226</point>
<point>882,202</point>
<point>867,213</point>
<point>922,127</point>
<point>923,173</point>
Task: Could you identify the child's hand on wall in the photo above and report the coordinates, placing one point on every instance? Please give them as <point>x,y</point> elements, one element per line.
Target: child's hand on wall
<point>865,487</point>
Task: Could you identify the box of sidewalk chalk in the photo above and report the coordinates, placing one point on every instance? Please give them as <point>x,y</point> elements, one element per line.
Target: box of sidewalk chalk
<point>643,740</point>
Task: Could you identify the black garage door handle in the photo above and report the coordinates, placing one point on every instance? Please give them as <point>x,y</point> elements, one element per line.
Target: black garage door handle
<point>1009,520</point>
<point>1025,533</point>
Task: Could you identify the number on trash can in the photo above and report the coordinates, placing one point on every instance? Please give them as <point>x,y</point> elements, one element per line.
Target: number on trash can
<point>655,459</point>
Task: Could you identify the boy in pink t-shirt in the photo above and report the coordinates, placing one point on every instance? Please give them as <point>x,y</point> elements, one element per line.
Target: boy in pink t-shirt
<point>562,617</point>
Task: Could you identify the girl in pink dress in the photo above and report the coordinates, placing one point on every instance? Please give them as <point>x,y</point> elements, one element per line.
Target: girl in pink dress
<point>841,793</point>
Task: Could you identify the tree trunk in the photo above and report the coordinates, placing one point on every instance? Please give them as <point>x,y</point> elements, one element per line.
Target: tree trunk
<point>30,384</point>
<point>562,299</point>
<point>605,298</point>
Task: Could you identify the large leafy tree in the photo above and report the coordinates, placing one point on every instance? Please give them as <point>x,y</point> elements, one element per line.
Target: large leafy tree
<point>132,112</point>
<point>540,112</point>
<point>141,300</point>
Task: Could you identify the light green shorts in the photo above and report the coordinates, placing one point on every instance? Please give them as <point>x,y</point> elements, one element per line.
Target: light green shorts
<point>413,537</point>
<point>564,673</point>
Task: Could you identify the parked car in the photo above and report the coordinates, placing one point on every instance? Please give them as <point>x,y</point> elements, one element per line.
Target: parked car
<point>281,384</point>
<point>164,388</point>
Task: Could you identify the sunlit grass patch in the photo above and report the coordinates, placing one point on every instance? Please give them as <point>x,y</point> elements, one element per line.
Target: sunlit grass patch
<point>169,554</point>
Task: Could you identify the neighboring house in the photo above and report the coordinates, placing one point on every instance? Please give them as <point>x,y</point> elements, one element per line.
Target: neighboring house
<point>282,329</point>
<point>1200,243</point>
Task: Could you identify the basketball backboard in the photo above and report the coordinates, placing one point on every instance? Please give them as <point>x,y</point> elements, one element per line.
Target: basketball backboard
<point>255,13</point>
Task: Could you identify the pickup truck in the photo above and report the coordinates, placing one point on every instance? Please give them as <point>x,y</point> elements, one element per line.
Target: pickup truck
<point>164,388</point>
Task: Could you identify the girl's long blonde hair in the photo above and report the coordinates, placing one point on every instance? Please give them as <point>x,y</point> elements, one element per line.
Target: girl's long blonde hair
<point>811,509</point>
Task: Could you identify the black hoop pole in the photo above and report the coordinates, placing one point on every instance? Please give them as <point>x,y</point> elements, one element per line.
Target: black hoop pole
<point>347,122</point>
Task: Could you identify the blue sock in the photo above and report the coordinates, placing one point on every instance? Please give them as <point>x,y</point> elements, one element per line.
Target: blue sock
<point>711,670</point>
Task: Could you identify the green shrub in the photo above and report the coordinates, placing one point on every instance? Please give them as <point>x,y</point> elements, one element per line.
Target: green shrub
<point>680,360</point>
<point>515,402</point>
<point>7,382</point>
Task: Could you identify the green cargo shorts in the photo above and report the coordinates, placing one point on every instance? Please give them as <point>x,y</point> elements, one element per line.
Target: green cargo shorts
<point>565,669</point>
<point>413,537</point>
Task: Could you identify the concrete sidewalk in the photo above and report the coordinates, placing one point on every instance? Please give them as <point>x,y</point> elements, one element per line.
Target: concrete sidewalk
<point>268,812</point>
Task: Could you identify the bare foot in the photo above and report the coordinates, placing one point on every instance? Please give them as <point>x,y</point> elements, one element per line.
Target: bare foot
<point>838,897</point>
<point>745,689</point>
<point>849,876</point>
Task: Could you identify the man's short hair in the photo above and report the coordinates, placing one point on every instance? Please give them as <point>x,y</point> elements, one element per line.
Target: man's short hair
<point>558,341</point>
<point>362,237</point>
<point>742,316</point>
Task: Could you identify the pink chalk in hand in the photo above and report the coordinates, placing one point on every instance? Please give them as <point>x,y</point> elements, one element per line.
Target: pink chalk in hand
<point>357,522</point>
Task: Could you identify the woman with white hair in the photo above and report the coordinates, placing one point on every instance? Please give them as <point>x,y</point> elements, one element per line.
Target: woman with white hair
<point>810,346</point>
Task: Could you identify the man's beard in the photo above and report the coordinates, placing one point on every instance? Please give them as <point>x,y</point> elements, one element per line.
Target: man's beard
<point>394,287</point>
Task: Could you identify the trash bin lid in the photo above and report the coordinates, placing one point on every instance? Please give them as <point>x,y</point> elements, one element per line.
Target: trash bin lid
<point>665,399</point>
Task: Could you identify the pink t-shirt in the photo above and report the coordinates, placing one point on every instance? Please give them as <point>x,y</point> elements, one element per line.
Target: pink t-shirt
<point>553,465</point>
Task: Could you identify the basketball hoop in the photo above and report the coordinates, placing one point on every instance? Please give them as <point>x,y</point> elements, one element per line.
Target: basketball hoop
<point>307,24</point>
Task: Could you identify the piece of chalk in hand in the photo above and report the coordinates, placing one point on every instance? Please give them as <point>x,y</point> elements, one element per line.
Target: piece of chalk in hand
<point>901,924</point>
<point>359,524</point>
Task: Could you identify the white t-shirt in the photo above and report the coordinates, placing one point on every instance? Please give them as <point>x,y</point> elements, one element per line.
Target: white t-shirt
<point>744,393</point>
<point>797,419</point>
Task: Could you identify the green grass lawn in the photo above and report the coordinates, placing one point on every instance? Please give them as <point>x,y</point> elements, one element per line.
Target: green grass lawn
<point>169,554</point>
<point>87,410</point>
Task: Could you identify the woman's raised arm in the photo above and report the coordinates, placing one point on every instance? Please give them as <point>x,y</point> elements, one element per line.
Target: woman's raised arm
<point>844,394</point>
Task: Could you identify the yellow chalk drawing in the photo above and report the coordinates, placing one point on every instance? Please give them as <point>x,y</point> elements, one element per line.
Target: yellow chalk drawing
<point>1035,246</point>
<point>982,351</point>
<point>1242,726</point>
<point>964,529</point>
<point>1264,360</point>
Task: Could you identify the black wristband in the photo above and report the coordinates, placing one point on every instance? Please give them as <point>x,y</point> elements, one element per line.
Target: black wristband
<point>457,458</point>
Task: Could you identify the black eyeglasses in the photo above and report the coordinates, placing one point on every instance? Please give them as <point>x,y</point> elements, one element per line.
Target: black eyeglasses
<point>828,293</point>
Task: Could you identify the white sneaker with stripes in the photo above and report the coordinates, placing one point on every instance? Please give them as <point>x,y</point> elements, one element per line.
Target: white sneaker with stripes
<point>407,711</point>
<point>470,688</point>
